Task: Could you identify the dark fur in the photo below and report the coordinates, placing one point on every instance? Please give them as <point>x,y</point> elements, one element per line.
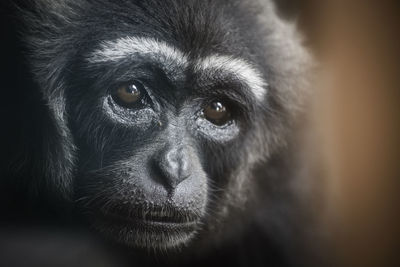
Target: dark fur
<point>57,136</point>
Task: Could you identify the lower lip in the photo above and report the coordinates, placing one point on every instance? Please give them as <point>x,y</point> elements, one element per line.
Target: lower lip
<point>144,233</point>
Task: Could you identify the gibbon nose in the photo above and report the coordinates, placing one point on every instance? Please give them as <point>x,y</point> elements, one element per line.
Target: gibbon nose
<point>174,165</point>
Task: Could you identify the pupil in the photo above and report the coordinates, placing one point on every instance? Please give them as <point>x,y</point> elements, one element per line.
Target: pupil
<point>132,89</point>
<point>218,107</point>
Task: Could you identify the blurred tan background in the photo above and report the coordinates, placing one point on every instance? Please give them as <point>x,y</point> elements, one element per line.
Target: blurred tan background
<point>356,117</point>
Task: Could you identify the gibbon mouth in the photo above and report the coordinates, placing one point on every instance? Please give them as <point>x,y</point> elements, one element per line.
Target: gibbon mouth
<point>153,217</point>
<point>154,230</point>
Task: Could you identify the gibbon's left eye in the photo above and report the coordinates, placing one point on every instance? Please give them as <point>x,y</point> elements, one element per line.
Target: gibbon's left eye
<point>128,95</point>
<point>217,113</point>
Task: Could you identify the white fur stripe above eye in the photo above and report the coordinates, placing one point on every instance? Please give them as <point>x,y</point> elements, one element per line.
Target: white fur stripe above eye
<point>240,68</point>
<point>133,46</point>
<point>170,58</point>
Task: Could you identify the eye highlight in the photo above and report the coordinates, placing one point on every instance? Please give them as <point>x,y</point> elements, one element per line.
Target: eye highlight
<point>128,95</point>
<point>217,113</point>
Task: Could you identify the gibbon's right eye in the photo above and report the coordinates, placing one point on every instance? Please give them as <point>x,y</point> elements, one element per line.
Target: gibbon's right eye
<point>129,95</point>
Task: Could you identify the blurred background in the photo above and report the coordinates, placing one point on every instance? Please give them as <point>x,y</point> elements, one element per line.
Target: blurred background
<point>356,125</point>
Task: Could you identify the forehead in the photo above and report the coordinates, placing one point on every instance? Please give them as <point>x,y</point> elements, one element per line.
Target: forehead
<point>195,27</point>
<point>214,36</point>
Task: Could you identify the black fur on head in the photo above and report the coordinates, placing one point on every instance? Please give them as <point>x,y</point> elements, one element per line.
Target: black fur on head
<point>95,162</point>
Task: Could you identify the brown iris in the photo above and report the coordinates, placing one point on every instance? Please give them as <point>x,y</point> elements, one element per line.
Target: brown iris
<point>217,113</point>
<point>129,94</point>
